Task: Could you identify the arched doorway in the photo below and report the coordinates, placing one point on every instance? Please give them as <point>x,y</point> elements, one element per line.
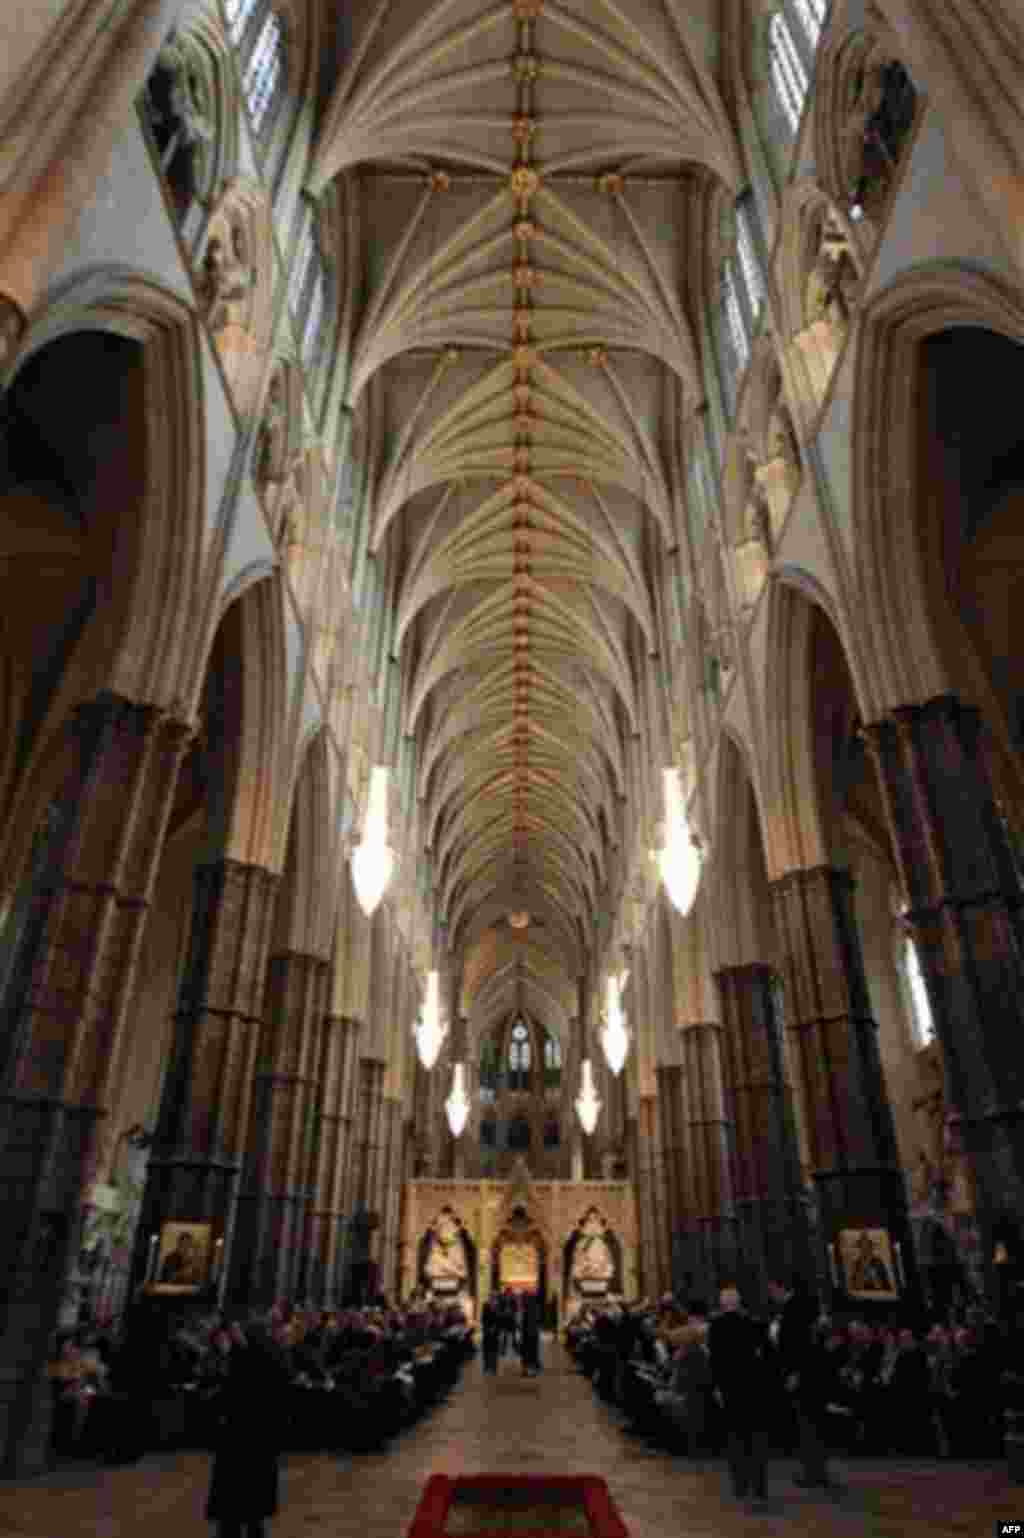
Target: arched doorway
<point>519,1256</point>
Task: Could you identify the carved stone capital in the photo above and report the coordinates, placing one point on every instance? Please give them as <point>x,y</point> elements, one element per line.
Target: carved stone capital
<point>13,325</point>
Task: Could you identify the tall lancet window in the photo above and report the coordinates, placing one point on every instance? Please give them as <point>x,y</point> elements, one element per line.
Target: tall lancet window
<point>239,15</point>
<point>790,79</point>
<point>519,1057</point>
<point>264,75</point>
<point>552,1062</point>
<point>308,293</point>
<point>741,300</point>
<point>811,15</point>
<point>915,989</point>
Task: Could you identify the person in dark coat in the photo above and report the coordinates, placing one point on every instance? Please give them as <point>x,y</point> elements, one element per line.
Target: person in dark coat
<point>529,1332</point>
<point>509,1321</point>
<point>804,1370</point>
<point>491,1325</point>
<point>247,1437</point>
<point>741,1371</point>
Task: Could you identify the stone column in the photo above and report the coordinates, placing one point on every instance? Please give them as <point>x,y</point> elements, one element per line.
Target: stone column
<point>367,1156</point>
<point>712,1221</point>
<point>835,1047</point>
<point>644,1259</point>
<point>772,1229</point>
<point>75,101</point>
<point>270,1230</point>
<point>965,910</point>
<point>64,1018</point>
<point>653,1188</point>
<point>333,1120</point>
<point>204,1116</point>
<point>670,1090</point>
<point>391,1186</point>
<point>352,1172</point>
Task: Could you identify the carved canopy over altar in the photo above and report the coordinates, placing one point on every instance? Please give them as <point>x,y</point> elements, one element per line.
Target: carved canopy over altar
<point>575,1238</point>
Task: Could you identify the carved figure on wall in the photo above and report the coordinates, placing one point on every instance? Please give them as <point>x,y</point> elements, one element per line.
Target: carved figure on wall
<point>289,521</point>
<point>446,1260</point>
<point>878,120</point>
<point>759,518</point>
<point>12,329</point>
<point>181,119</point>
<point>781,437</point>
<point>593,1258</point>
<point>227,277</point>
<point>832,283</point>
<point>271,454</point>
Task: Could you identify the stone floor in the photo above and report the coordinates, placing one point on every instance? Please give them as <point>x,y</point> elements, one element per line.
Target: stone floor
<point>508,1424</point>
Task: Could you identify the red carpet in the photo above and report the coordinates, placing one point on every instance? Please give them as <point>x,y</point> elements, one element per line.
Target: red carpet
<point>517,1506</point>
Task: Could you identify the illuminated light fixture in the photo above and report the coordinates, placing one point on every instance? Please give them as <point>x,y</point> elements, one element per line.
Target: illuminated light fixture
<point>373,862</point>
<point>614,1035</point>
<point>680,862</point>
<point>457,1105</point>
<point>519,920</point>
<point>588,1106</point>
<point>430,1031</point>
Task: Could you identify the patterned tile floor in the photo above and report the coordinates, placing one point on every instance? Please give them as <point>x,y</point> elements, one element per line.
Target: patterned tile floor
<point>512,1423</point>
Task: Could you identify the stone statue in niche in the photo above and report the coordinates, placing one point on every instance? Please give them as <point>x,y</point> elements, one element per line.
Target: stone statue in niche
<point>832,283</point>
<point>759,519</point>
<point>227,277</point>
<point>447,1258</point>
<point>180,117</point>
<point>289,516</point>
<point>781,437</point>
<point>12,329</point>
<point>593,1260</point>
<point>271,456</point>
<point>879,117</point>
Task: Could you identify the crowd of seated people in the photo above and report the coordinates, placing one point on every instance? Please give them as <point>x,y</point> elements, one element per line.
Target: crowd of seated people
<point>357,1376</point>
<point>940,1388</point>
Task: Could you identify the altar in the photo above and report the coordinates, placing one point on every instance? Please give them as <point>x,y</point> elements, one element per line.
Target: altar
<point>574,1241</point>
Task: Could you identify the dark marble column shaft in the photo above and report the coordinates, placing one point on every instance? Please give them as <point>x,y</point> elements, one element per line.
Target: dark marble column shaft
<point>63,1021</point>
<point>834,1043</point>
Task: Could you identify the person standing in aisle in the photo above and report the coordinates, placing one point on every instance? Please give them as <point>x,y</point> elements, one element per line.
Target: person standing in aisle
<point>741,1372</point>
<point>491,1326</point>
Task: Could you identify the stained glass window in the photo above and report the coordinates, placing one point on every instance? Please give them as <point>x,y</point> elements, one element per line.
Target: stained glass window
<point>789,76</point>
<point>263,76</point>
<point>239,13</point>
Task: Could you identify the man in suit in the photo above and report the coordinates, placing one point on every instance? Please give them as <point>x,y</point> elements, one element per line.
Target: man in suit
<point>803,1369</point>
<point>491,1325</point>
<point>741,1372</point>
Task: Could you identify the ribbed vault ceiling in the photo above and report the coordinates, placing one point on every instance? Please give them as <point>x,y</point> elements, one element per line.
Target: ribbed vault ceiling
<point>519,174</point>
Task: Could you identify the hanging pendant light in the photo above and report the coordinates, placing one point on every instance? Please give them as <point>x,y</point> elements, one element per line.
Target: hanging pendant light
<point>457,1105</point>
<point>614,1035</point>
<point>588,1106</point>
<point>373,861</point>
<point>680,861</point>
<point>430,1030</point>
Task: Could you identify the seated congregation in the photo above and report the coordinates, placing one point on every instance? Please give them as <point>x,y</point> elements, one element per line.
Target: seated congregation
<point>936,1388</point>
<point>345,1381</point>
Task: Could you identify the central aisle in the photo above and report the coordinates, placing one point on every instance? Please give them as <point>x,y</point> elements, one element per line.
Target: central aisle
<point>509,1424</point>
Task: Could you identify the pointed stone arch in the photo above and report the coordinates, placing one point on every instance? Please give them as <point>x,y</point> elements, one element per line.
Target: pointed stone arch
<point>247,657</point>
<point>915,655</point>
<point>796,832</point>
<point>138,639</point>
<point>742,917</point>
<point>305,902</point>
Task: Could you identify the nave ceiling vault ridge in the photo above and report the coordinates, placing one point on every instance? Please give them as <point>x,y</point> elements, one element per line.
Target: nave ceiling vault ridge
<point>522,172</point>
